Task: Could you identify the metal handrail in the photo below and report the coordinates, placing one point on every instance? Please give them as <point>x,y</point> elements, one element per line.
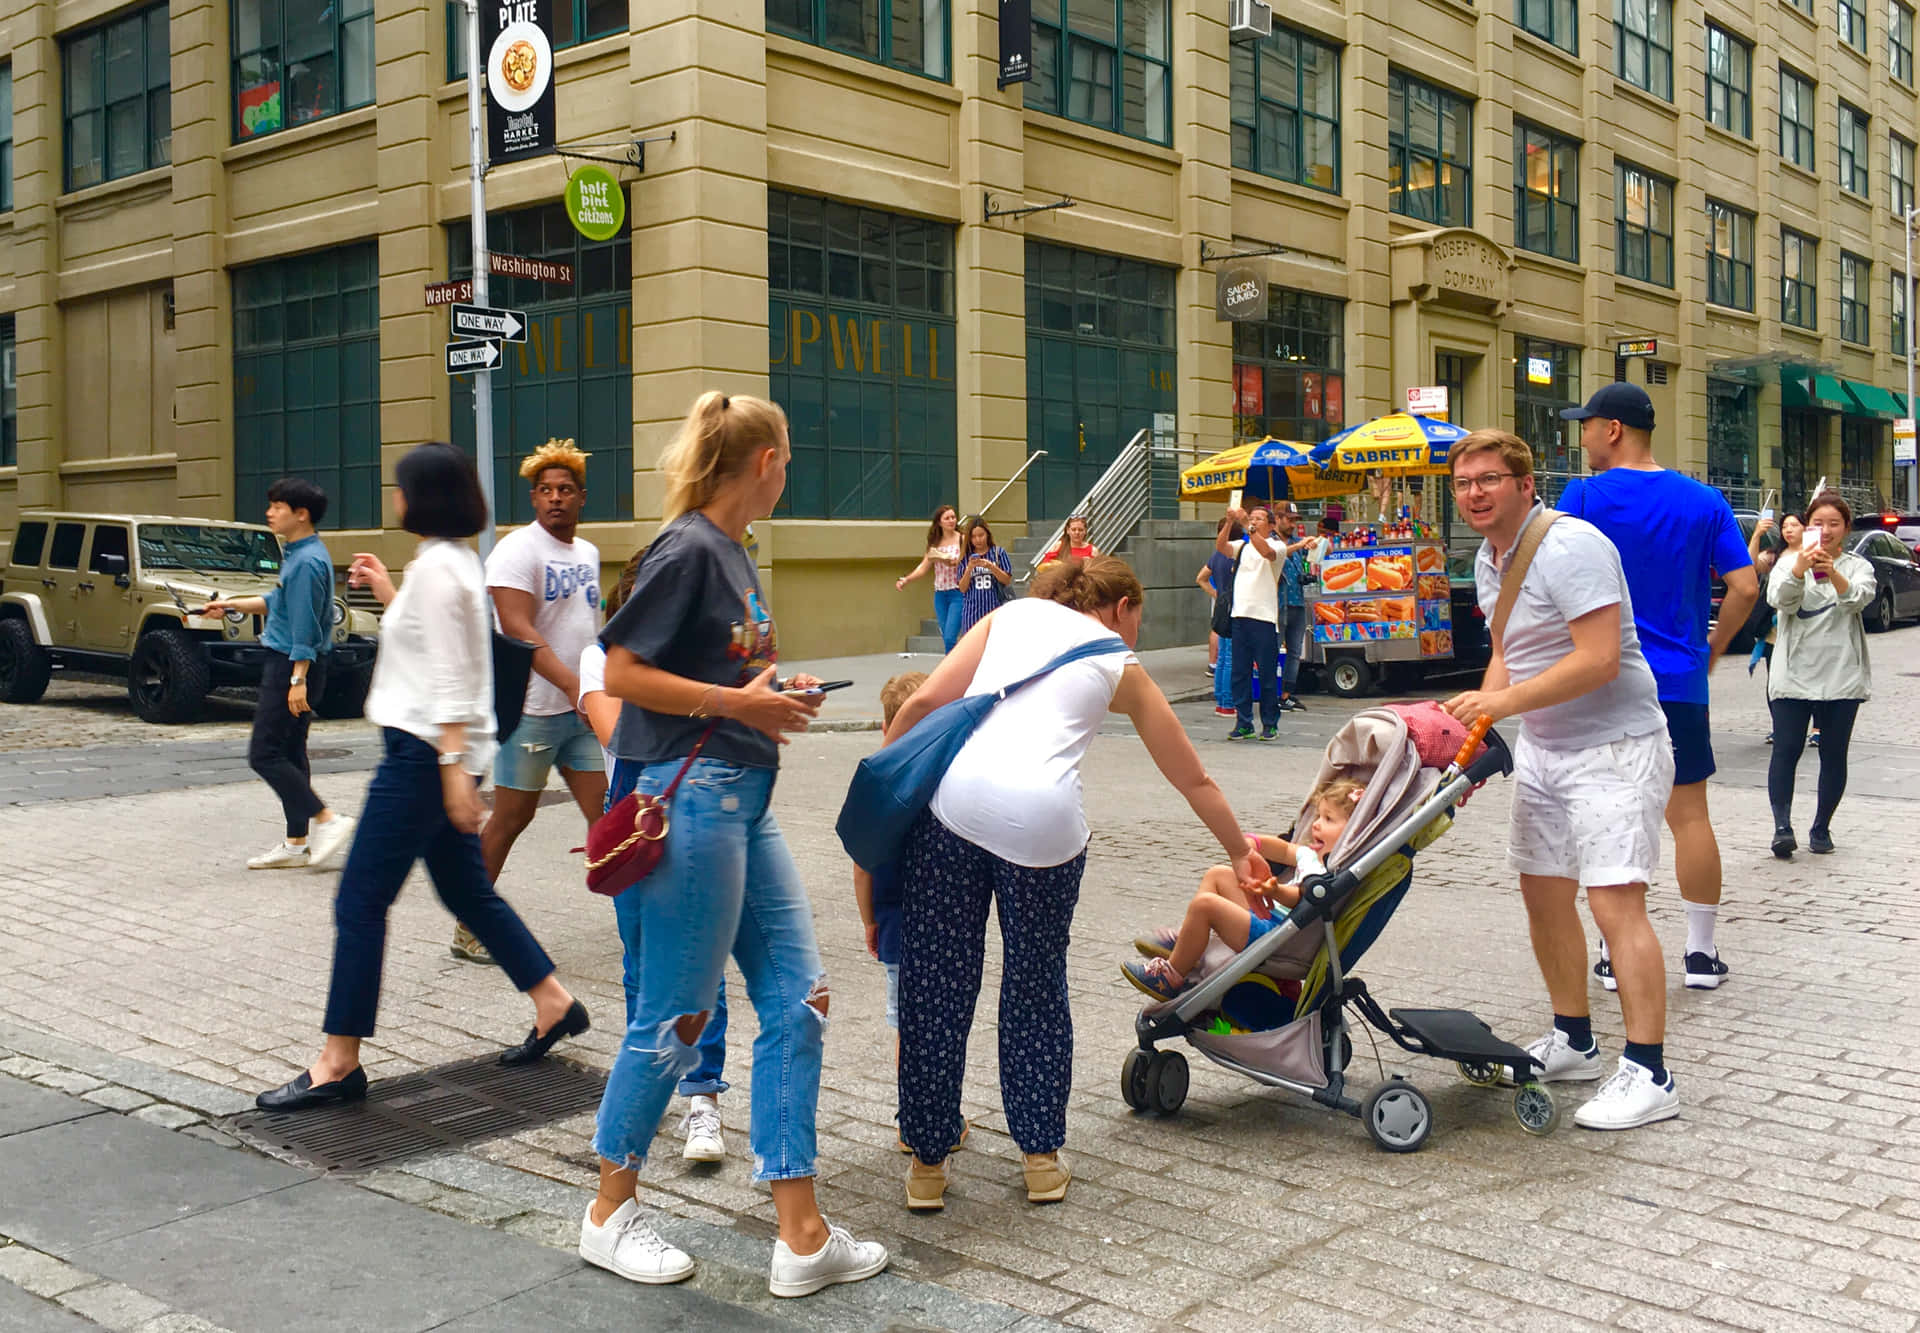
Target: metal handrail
<point>987,508</point>
<point>1116,503</point>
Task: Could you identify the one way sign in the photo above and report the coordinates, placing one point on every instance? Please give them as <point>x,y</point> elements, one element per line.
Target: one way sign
<point>479,321</point>
<point>468,356</point>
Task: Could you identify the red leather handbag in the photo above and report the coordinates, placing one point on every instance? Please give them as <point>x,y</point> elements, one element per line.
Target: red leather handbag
<point>626,843</point>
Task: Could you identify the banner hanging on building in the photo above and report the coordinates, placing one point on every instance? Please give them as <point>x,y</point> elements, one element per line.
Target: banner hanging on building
<point>518,38</point>
<point>1016,41</point>
<point>1239,293</point>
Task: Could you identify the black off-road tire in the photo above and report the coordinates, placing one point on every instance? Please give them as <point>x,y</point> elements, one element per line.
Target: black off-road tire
<point>25,667</point>
<point>346,693</point>
<point>168,679</point>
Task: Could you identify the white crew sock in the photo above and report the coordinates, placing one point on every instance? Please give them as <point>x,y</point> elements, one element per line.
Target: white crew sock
<point>1700,920</point>
<point>1605,955</point>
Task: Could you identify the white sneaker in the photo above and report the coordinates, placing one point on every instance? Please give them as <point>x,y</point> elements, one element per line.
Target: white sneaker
<point>327,840</point>
<point>631,1248</point>
<point>284,857</point>
<point>841,1259</point>
<point>1629,1100</point>
<point>1563,1063</point>
<point>702,1130</point>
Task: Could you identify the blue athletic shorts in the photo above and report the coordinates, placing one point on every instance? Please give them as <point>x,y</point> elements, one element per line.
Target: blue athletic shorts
<point>1692,742</point>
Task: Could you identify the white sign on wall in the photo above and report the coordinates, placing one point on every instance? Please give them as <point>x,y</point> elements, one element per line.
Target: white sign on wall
<point>1428,400</point>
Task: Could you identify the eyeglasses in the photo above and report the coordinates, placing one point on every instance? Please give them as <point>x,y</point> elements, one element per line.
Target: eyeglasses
<point>1486,481</point>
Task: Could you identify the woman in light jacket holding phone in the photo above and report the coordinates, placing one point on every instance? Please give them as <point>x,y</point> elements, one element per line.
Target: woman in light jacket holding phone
<point>1819,672</point>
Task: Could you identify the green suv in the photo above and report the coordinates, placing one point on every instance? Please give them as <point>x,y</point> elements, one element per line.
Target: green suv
<point>112,594</point>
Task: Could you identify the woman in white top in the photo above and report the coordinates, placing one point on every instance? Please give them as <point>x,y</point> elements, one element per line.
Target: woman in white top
<point>432,694</point>
<point>1819,671</point>
<point>943,558</point>
<point>1007,826</point>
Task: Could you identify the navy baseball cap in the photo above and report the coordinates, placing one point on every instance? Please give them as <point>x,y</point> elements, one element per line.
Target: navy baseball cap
<point>1625,403</point>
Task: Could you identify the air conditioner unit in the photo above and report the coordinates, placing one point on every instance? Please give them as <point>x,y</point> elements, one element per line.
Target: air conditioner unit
<point>1249,20</point>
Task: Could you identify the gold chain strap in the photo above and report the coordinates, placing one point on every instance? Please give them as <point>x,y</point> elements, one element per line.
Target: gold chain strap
<point>639,834</point>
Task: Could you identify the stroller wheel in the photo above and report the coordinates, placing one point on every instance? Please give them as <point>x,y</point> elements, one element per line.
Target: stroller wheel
<point>1167,1081</point>
<point>1534,1108</point>
<point>1398,1116</point>
<point>1479,1073</point>
<point>1133,1078</point>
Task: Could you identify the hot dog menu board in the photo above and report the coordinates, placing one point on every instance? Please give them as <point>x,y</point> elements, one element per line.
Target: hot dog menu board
<point>1386,592</point>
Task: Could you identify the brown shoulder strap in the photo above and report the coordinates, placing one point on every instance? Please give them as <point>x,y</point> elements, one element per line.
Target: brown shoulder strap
<point>1516,573</point>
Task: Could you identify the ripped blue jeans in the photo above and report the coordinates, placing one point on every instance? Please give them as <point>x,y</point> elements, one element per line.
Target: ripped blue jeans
<point>727,883</point>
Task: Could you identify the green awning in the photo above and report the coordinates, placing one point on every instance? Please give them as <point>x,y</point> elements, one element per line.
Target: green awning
<point>1874,401</point>
<point>1800,387</point>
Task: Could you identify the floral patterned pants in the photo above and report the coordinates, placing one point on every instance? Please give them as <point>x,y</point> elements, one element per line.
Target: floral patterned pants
<point>947,884</point>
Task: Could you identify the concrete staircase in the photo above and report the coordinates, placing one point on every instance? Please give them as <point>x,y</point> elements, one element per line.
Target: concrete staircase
<point>1165,553</point>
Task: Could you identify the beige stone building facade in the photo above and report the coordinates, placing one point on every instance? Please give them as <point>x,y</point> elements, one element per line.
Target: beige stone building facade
<point>223,215</point>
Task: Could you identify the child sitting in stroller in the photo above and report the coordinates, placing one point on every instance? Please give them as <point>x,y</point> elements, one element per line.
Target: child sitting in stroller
<point>1240,914</point>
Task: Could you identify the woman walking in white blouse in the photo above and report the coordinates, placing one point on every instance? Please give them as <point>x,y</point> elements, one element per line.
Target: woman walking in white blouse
<point>432,695</point>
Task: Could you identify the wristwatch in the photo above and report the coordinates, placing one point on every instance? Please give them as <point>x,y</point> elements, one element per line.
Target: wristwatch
<point>296,680</point>
<point>448,758</point>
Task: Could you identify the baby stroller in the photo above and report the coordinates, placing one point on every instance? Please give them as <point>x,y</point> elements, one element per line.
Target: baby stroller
<point>1244,1015</point>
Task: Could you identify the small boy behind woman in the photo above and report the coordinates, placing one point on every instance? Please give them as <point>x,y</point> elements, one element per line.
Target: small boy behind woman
<point>878,893</point>
<point>1238,914</point>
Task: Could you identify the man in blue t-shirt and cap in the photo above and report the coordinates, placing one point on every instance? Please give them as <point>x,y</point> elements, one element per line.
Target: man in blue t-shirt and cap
<point>1674,534</point>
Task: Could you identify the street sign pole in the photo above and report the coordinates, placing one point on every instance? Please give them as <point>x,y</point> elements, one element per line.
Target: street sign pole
<point>477,167</point>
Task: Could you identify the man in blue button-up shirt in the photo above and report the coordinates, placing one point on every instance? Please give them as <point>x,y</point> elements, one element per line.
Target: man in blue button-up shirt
<point>297,638</point>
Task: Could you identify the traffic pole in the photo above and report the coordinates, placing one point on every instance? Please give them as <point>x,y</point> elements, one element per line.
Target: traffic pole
<point>1913,468</point>
<point>477,173</point>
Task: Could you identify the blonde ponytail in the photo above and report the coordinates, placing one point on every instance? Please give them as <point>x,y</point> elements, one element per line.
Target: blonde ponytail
<point>719,438</point>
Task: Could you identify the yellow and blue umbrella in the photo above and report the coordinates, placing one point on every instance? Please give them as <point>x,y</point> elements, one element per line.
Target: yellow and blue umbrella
<point>1267,469</point>
<point>1399,442</point>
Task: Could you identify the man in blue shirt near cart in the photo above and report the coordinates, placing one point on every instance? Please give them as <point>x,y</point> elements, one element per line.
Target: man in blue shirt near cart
<point>1673,534</point>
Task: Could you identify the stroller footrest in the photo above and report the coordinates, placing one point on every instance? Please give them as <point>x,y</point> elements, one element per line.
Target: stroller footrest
<point>1456,1034</point>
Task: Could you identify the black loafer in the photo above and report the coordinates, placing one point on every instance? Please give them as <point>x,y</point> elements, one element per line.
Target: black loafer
<point>301,1095</point>
<point>571,1024</point>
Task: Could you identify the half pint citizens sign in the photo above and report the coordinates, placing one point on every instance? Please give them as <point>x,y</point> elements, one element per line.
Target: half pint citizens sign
<point>518,38</point>
<point>1239,293</point>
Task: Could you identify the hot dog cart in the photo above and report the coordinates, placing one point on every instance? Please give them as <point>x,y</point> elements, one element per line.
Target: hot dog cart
<point>1383,596</point>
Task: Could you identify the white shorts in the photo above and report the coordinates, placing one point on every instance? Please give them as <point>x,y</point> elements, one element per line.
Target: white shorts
<point>1590,815</point>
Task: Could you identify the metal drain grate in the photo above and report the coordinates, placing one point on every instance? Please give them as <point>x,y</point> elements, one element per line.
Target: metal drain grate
<point>430,1111</point>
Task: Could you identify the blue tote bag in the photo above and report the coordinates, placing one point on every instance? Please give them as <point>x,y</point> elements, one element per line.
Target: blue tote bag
<point>893,785</point>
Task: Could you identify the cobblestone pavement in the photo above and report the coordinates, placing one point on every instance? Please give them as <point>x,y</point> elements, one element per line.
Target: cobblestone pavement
<point>1786,1196</point>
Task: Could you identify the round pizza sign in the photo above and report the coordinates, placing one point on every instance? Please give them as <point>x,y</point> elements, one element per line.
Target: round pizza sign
<point>519,67</point>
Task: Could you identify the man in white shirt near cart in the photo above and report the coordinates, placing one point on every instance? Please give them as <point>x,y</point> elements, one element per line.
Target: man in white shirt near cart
<point>1593,769</point>
<point>545,584</point>
<point>1256,618</point>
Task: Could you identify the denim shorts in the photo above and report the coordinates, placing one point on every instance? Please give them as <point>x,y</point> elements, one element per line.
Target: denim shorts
<point>538,743</point>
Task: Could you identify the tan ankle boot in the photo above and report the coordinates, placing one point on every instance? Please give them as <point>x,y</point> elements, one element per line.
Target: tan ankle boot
<point>927,1186</point>
<point>1047,1177</point>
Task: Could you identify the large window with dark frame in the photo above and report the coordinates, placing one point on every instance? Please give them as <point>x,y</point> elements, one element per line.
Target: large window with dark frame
<point>1856,300</point>
<point>1546,193</point>
<point>1546,381</point>
<point>906,34</point>
<point>1859,444</point>
<point>1733,432</point>
<point>1900,173</point>
<point>9,403</point>
<point>1286,109</point>
<point>1289,376</point>
<point>1799,282</point>
<point>1429,152</point>
<point>1556,21</point>
<point>1851,18</point>
<point>1643,224</point>
<point>119,108</point>
<point>574,22</point>
<point>6,138</point>
<point>1105,63</point>
<point>299,60</point>
<point>1643,44</point>
<point>1900,41</point>
<point>1729,256</point>
<point>1854,176</point>
<point>1729,82</point>
<point>1796,118</point>
<point>1897,297</point>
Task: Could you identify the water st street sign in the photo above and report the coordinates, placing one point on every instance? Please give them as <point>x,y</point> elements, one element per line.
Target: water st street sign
<point>478,321</point>
<point>480,354</point>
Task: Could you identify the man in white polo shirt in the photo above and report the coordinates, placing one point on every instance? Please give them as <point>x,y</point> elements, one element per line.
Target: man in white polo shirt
<point>1256,618</point>
<point>1593,769</point>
